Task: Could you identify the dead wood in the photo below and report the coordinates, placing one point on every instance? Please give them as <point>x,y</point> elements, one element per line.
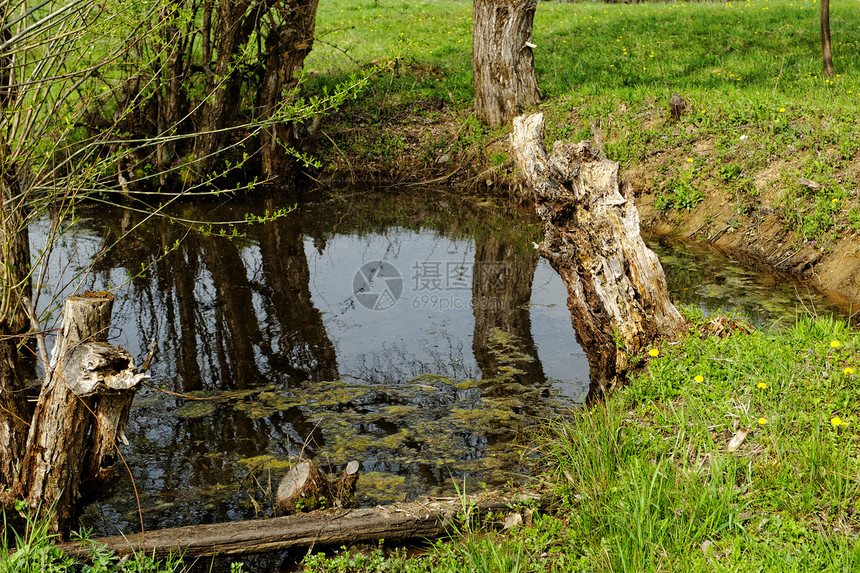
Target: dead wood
<point>397,523</point>
<point>617,293</point>
<point>306,488</point>
<point>347,484</point>
<point>81,412</point>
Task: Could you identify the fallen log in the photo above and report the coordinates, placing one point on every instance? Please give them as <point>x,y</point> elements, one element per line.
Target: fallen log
<point>396,523</point>
<point>617,294</point>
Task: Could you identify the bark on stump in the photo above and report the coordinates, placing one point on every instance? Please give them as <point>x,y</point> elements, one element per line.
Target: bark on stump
<point>502,60</point>
<point>617,293</point>
<point>81,413</point>
<point>347,484</point>
<point>306,488</point>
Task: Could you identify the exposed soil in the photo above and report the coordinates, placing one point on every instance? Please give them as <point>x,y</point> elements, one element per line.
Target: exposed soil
<point>425,147</point>
<point>759,233</point>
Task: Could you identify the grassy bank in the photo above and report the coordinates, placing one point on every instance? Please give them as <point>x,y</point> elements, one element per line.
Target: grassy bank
<point>735,450</point>
<point>760,114</point>
<point>652,481</point>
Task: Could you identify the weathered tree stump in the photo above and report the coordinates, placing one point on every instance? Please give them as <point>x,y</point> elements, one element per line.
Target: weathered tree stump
<point>81,412</point>
<point>677,106</point>
<point>306,488</point>
<point>617,293</point>
<point>347,484</point>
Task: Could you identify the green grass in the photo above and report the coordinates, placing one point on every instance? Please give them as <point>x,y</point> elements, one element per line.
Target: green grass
<point>750,71</point>
<point>646,481</point>
<point>34,550</point>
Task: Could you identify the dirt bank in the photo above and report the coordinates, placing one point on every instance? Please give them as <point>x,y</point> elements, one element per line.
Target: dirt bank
<point>426,142</point>
<point>761,233</point>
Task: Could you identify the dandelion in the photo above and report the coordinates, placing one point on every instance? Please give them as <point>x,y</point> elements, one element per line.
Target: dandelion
<point>782,110</point>
<point>848,370</point>
<point>834,200</point>
<point>699,378</point>
<point>834,344</point>
<point>689,160</point>
<point>762,421</point>
<point>654,352</point>
<point>761,385</point>
<point>836,421</point>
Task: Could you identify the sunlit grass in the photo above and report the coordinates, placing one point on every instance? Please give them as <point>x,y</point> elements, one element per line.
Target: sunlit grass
<point>749,71</point>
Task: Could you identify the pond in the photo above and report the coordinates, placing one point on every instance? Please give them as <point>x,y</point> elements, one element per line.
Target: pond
<point>413,330</point>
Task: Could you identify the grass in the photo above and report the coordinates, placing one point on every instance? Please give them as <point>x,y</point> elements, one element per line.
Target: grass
<point>647,481</point>
<point>34,551</point>
<point>750,72</point>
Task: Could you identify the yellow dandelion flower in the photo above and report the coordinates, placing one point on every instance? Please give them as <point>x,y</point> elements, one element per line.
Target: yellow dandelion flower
<point>762,421</point>
<point>782,110</point>
<point>689,160</point>
<point>699,378</point>
<point>654,352</point>
<point>834,344</point>
<point>848,370</point>
<point>761,385</point>
<point>836,421</point>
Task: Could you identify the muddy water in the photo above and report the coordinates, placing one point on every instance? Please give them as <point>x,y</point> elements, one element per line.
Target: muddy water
<point>416,332</point>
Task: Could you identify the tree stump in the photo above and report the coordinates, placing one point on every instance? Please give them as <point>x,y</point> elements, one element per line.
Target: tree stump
<point>617,293</point>
<point>677,106</point>
<point>347,484</point>
<point>306,488</point>
<point>81,412</point>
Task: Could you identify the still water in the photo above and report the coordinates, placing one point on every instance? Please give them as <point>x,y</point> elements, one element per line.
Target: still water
<point>415,331</point>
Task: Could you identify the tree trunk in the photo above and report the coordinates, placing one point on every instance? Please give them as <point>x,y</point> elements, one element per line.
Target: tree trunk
<point>236,22</point>
<point>14,285</point>
<point>827,57</point>
<point>287,46</point>
<point>617,293</point>
<point>80,414</point>
<point>398,523</point>
<point>172,103</point>
<point>502,59</point>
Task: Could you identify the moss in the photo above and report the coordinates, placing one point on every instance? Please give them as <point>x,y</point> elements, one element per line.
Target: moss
<point>382,486</point>
<point>256,463</point>
<point>196,409</point>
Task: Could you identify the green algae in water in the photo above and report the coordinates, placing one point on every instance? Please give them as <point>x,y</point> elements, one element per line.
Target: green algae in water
<point>399,411</point>
<point>469,384</point>
<point>266,461</point>
<point>197,409</point>
<point>266,404</point>
<point>506,348</point>
<point>382,486</point>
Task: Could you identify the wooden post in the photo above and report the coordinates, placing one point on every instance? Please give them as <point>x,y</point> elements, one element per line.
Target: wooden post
<point>81,412</point>
<point>617,293</point>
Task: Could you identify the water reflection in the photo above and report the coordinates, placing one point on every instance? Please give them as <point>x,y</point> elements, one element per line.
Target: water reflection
<point>441,375</point>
